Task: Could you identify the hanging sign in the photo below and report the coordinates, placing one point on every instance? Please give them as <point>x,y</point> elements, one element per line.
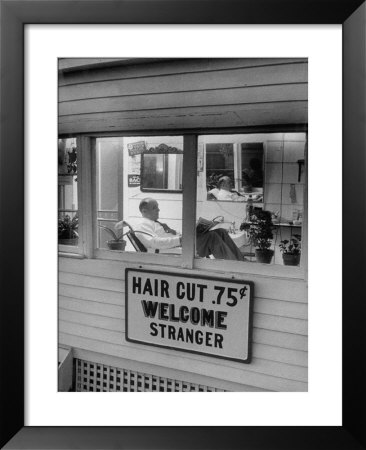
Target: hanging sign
<point>205,315</point>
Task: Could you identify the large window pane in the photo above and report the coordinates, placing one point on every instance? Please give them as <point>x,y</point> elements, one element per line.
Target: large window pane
<point>129,170</point>
<point>109,189</point>
<point>254,185</point>
<point>68,220</point>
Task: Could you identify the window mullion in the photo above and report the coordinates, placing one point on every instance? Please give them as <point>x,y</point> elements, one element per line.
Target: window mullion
<point>237,166</point>
<point>85,195</point>
<point>121,186</point>
<point>189,199</point>
<point>304,231</point>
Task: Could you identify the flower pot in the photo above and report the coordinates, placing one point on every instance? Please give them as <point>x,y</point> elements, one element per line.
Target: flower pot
<point>291,260</point>
<point>116,245</point>
<point>72,241</point>
<point>264,256</point>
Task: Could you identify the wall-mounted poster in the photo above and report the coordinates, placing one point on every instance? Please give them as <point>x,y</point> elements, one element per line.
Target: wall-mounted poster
<point>134,180</point>
<point>136,148</point>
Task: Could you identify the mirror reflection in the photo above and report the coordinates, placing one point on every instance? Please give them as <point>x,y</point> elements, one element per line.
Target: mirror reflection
<point>235,172</point>
<point>161,171</point>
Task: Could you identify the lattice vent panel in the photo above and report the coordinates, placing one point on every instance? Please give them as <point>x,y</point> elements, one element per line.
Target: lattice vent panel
<point>93,377</point>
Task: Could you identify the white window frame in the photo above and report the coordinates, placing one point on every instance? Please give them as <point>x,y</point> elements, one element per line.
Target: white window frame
<point>75,251</point>
<point>187,260</point>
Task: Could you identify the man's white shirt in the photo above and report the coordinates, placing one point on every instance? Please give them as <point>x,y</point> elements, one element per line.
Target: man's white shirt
<point>159,239</point>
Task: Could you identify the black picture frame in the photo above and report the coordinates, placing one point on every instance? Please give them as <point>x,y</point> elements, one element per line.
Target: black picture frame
<point>14,15</point>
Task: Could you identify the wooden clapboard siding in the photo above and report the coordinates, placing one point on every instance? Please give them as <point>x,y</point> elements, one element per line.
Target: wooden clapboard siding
<point>159,68</point>
<point>91,317</point>
<point>99,313</point>
<point>144,102</point>
<point>263,351</point>
<point>104,310</point>
<point>255,379</point>
<point>189,94</point>
<point>280,339</point>
<point>76,279</point>
<point>109,310</point>
<point>265,287</point>
<point>277,323</point>
<point>93,320</point>
<point>73,64</point>
<point>100,294</point>
<point>90,307</point>
<point>265,114</point>
<point>188,82</point>
<point>96,295</point>
<point>188,361</point>
<point>289,364</point>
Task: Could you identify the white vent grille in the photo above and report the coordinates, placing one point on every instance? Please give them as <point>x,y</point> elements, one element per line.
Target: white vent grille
<point>94,377</point>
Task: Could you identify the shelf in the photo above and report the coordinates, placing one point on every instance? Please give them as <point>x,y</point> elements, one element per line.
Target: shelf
<point>286,224</point>
<point>283,224</point>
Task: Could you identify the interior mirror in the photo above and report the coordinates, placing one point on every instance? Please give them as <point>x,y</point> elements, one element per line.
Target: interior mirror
<point>162,169</point>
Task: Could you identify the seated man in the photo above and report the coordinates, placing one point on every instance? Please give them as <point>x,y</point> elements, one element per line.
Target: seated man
<point>217,242</point>
<point>225,193</point>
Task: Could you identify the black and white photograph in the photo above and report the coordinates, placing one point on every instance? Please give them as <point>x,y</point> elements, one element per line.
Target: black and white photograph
<point>182,224</point>
<point>208,195</point>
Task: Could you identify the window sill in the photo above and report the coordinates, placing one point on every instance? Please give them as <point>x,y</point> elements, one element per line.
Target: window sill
<point>250,268</point>
<point>64,254</point>
<point>231,268</point>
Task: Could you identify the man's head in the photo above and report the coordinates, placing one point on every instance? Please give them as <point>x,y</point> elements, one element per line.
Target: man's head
<point>149,208</point>
<point>225,183</point>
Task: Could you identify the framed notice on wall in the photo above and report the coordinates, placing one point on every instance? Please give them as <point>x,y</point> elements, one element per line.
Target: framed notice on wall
<point>204,315</point>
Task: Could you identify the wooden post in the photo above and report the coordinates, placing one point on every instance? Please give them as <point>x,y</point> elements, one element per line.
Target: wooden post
<point>85,190</point>
<point>189,199</point>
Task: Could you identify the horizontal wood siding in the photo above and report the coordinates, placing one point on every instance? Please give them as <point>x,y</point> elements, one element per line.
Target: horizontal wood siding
<point>92,312</point>
<point>71,70</point>
<point>188,94</point>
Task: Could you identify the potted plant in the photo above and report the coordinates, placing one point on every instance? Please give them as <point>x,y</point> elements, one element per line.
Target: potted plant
<point>117,243</point>
<point>260,234</point>
<point>67,230</point>
<point>291,250</point>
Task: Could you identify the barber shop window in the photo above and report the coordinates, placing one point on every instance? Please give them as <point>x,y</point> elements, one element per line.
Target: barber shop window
<point>250,197</point>
<point>139,194</point>
<point>68,218</point>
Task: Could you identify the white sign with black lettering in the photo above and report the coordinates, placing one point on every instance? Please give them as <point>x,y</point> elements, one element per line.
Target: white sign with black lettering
<point>204,315</point>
